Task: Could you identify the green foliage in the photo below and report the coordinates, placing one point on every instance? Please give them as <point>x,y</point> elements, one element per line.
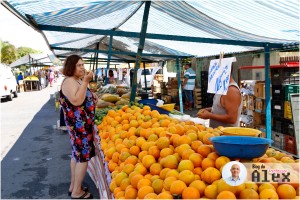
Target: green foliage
<point>8,53</point>
<point>23,51</point>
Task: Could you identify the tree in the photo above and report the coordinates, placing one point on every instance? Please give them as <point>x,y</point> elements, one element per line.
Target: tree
<point>8,53</point>
<point>23,51</point>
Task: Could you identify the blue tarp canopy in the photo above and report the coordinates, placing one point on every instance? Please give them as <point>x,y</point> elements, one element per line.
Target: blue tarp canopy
<point>174,28</point>
<point>37,59</point>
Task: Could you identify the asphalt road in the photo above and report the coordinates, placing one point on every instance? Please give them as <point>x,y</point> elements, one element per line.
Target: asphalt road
<point>34,155</point>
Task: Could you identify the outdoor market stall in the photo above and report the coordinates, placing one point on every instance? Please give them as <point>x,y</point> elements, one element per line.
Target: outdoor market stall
<point>141,31</point>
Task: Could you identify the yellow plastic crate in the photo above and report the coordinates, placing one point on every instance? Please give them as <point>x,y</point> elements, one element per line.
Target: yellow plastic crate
<point>287,112</point>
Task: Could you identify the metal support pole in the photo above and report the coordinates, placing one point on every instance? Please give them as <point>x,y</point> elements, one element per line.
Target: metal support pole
<point>267,91</point>
<point>140,48</point>
<point>179,84</point>
<point>145,77</point>
<point>108,58</point>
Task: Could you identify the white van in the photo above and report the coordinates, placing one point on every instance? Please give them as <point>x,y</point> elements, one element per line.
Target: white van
<point>8,83</point>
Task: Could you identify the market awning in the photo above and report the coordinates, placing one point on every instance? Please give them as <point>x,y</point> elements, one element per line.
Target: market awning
<point>174,28</point>
<point>32,60</point>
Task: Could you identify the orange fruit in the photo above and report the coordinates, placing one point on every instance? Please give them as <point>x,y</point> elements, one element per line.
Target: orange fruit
<point>151,196</point>
<point>207,162</point>
<point>173,173</point>
<point>221,161</point>
<point>128,168</point>
<point>165,195</point>
<point>199,185</point>
<point>186,154</point>
<point>163,142</point>
<point>134,150</point>
<point>204,150</point>
<point>195,144</point>
<point>165,152</point>
<point>154,151</point>
<point>206,136</point>
<point>198,171</point>
<point>140,168</point>
<point>125,182</point>
<point>170,162</point>
<point>157,185</point>
<point>119,177</point>
<point>155,169</point>
<point>143,191</point>
<point>251,185</point>
<point>213,155</point>
<point>266,186</point>
<point>223,186</point>
<point>211,192</point>
<point>164,172</point>
<point>190,193</point>
<point>130,193</point>
<point>196,158</point>
<point>210,175</point>
<point>248,194</point>
<point>186,176</point>
<point>148,160</point>
<point>143,182</point>
<point>135,179</point>
<point>286,191</point>
<point>185,165</point>
<point>226,195</point>
<point>268,194</point>
<point>177,187</point>
<point>168,181</point>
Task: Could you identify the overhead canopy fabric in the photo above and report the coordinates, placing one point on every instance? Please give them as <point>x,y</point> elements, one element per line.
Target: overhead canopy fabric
<point>32,59</point>
<point>269,21</point>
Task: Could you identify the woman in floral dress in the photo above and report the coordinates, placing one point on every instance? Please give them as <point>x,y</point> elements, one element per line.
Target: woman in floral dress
<point>78,104</point>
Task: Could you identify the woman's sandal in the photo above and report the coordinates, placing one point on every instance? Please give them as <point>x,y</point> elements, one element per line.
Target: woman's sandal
<point>84,195</point>
<point>86,189</point>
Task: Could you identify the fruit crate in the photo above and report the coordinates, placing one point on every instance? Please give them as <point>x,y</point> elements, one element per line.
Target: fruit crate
<point>285,75</point>
<point>277,125</point>
<point>278,92</point>
<point>290,144</point>
<point>287,110</point>
<point>277,108</point>
<point>279,140</point>
<point>290,89</point>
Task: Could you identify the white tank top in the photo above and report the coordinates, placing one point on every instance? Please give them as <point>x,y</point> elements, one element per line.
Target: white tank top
<point>217,108</point>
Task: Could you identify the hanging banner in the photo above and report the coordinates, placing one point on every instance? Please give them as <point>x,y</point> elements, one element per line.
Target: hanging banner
<point>219,75</point>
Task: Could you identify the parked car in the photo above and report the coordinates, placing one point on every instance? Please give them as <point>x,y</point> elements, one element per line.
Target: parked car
<point>8,83</point>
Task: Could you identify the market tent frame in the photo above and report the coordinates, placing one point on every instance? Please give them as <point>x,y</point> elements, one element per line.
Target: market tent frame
<point>35,60</point>
<point>167,32</point>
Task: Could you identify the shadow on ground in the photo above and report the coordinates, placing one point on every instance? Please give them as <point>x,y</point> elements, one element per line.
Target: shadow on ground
<point>37,166</point>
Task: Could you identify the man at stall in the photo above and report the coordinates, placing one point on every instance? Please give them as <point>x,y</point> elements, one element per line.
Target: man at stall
<point>189,85</point>
<point>226,109</point>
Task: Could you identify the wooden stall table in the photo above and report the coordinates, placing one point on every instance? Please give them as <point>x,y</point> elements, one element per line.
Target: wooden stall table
<point>31,83</point>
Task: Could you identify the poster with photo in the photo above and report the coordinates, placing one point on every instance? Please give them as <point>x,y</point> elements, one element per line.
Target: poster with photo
<point>219,75</point>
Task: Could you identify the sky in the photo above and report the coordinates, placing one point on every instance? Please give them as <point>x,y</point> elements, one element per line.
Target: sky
<point>16,32</point>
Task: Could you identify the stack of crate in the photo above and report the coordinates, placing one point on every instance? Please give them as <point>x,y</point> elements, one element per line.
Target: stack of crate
<point>197,98</point>
<point>172,90</point>
<point>283,84</point>
<point>259,118</point>
<point>207,98</point>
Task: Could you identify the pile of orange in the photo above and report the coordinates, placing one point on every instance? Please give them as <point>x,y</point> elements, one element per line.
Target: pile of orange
<point>151,155</point>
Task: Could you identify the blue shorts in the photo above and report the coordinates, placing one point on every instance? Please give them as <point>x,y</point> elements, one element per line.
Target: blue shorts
<point>189,95</point>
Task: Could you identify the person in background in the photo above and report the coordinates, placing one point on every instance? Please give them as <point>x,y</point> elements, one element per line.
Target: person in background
<point>20,77</point>
<point>226,109</point>
<point>40,74</point>
<point>78,104</point>
<point>189,85</point>
<point>51,77</point>
<point>111,78</point>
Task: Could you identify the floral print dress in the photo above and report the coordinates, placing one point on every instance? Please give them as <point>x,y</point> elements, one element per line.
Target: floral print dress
<point>81,127</point>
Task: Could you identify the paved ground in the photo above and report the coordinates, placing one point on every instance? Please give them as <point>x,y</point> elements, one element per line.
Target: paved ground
<point>34,155</point>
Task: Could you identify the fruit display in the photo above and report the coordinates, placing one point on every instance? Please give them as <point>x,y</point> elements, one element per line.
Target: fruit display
<point>153,156</point>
